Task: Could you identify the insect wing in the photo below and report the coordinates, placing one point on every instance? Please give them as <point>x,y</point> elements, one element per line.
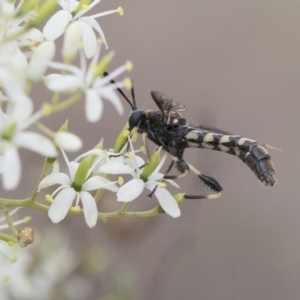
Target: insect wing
<point>210,129</point>
<point>165,103</point>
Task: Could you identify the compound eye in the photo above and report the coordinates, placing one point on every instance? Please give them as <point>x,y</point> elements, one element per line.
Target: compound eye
<point>135,118</point>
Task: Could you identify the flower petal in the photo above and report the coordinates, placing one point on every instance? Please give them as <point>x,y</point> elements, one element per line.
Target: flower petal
<point>98,182</point>
<point>11,168</point>
<point>56,25</point>
<point>68,141</point>
<point>115,168</point>
<point>89,39</point>
<point>89,208</point>
<point>111,96</point>
<point>55,178</point>
<point>172,182</point>
<point>33,34</point>
<point>61,205</point>
<point>35,142</point>
<point>93,106</point>
<point>130,190</point>
<point>167,202</point>
<point>62,83</point>
<point>155,176</point>
<point>93,23</point>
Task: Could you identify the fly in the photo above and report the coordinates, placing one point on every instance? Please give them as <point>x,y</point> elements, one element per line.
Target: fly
<point>166,127</point>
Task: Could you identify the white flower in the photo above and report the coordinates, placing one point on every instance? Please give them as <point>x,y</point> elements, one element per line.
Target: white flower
<point>65,195</point>
<point>57,24</point>
<point>13,136</point>
<point>95,89</point>
<point>133,188</point>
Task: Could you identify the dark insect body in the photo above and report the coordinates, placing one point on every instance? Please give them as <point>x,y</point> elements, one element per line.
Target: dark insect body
<point>167,128</point>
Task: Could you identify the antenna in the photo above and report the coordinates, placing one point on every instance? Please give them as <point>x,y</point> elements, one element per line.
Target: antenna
<point>132,94</point>
<point>133,106</point>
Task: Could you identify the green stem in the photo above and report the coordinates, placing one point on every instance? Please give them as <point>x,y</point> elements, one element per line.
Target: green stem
<point>100,192</point>
<point>55,98</point>
<point>9,221</point>
<point>45,129</point>
<point>140,214</point>
<point>124,207</point>
<point>67,103</point>
<point>7,238</point>
<point>46,168</point>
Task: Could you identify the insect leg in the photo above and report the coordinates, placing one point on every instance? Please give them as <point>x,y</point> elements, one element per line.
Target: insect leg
<point>184,168</point>
<point>207,180</point>
<point>170,166</point>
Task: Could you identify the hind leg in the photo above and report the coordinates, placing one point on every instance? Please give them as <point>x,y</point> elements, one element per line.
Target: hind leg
<point>184,169</point>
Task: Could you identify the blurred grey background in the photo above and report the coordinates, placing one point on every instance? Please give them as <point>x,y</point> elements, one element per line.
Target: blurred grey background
<point>235,65</point>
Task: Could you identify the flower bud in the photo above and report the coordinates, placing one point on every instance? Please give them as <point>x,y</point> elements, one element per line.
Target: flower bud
<point>72,41</point>
<point>41,56</point>
<point>68,141</point>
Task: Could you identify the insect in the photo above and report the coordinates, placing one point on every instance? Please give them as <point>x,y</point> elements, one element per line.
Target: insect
<point>166,127</point>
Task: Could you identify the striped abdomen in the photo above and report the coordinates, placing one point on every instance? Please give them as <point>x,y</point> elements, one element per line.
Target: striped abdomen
<point>249,151</point>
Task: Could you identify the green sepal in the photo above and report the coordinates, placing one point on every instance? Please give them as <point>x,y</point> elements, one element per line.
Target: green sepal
<point>44,12</point>
<point>64,127</point>
<point>99,146</point>
<point>81,6</point>
<point>81,173</point>
<point>9,131</point>
<point>101,67</point>
<point>28,6</point>
<point>179,197</point>
<point>121,139</point>
<point>151,165</point>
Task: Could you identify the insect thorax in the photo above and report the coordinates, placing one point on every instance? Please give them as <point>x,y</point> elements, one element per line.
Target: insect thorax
<point>167,131</point>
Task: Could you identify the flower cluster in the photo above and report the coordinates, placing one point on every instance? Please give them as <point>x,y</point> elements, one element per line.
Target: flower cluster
<point>27,58</point>
<point>25,55</point>
<point>87,176</point>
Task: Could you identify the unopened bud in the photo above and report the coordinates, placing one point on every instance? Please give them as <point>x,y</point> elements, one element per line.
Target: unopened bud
<point>72,41</point>
<point>41,56</point>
